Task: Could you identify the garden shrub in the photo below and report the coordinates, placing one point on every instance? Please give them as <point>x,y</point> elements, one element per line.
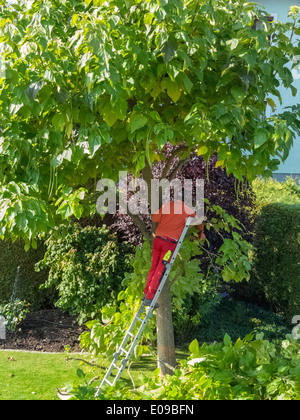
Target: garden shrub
<point>252,368</point>
<point>276,270</point>
<point>245,370</point>
<point>13,313</point>
<point>86,266</point>
<point>12,256</point>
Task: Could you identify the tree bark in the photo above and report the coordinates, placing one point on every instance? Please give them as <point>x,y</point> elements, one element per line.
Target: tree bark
<point>166,358</point>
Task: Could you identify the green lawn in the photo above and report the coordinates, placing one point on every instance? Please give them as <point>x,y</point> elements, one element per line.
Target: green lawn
<point>36,376</point>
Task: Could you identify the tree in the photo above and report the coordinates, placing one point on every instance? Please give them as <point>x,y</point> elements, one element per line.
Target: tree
<point>92,87</point>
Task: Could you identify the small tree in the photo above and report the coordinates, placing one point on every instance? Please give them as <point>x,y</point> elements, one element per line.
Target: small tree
<point>92,87</point>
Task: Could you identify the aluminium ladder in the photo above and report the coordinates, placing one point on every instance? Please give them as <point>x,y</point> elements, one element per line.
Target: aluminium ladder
<point>129,333</point>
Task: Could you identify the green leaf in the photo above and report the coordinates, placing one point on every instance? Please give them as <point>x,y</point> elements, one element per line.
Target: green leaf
<point>168,50</point>
<point>59,120</point>
<point>65,210</point>
<point>227,274</point>
<point>261,135</point>
<point>80,373</point>
<point>271,103</point>
<point>104,132</point>
<point>137,121</point>
<point>227,340</point>
<point>202,150</point>
<point>148,81</point>
<point>238,93</point>
<point>163,137</point>
<point>94,142</point>
<point>232,43</point>
<point>74,19</point>
<point>77,209</point>
<point>173,89</point>
<point>194,347</point>
<point>186,81</point>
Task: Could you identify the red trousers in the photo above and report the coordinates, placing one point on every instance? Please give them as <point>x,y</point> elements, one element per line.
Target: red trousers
<point>160,248</point>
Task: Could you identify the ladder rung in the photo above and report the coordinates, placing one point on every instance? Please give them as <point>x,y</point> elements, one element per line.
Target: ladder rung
<point>117,367</point>
<point>121,348</point>
<point>129,333</point>
<point>139,319</point>
<point>105,380</point>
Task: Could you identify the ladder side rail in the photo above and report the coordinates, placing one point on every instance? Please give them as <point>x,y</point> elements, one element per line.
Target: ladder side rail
<point>131,327</point>
<point>130,351</point>
<point>113,365</point>
<point>138,335</point>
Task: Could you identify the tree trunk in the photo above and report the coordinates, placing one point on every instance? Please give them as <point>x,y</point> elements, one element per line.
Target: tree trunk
<point>166,359</point>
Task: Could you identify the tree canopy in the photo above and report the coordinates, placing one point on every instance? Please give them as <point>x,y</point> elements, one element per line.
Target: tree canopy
<point>92,87</point>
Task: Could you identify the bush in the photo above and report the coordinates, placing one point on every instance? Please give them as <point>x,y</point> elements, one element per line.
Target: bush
<point>87,266</point>
<point>245,370</point>
<point>248,369</point>
<point>276,270</point>
<point>13,313</point>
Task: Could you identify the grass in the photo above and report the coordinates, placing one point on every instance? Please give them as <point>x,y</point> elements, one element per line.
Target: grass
<point>36,376</point>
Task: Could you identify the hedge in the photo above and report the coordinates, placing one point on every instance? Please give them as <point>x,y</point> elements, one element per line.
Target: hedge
<point>276,269</point>
<point>12,255</point>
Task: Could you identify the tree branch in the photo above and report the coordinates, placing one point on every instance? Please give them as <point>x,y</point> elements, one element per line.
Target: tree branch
<point>140,224</point>
<point>176,169</point>
<point>85,361</point>
<point>175,153</point>
<point>147,177</point>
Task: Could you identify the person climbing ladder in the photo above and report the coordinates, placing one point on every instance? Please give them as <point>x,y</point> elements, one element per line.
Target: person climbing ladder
<point>171,219</point>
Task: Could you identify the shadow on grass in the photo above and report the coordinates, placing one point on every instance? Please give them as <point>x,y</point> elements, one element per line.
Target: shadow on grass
<point>145,367</point>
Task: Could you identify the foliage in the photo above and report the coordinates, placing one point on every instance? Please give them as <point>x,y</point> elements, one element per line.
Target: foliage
<point>86,265</point>
<point>245,370</point>
<point>186,279</point>
<point>249,369</point>
<point>12,256</point>
<point>269,191</point>
<point>92,87</point>
<point>275,246</point>
<point>237,319</point>
<point>13,313</point>
<point>276,265</point>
